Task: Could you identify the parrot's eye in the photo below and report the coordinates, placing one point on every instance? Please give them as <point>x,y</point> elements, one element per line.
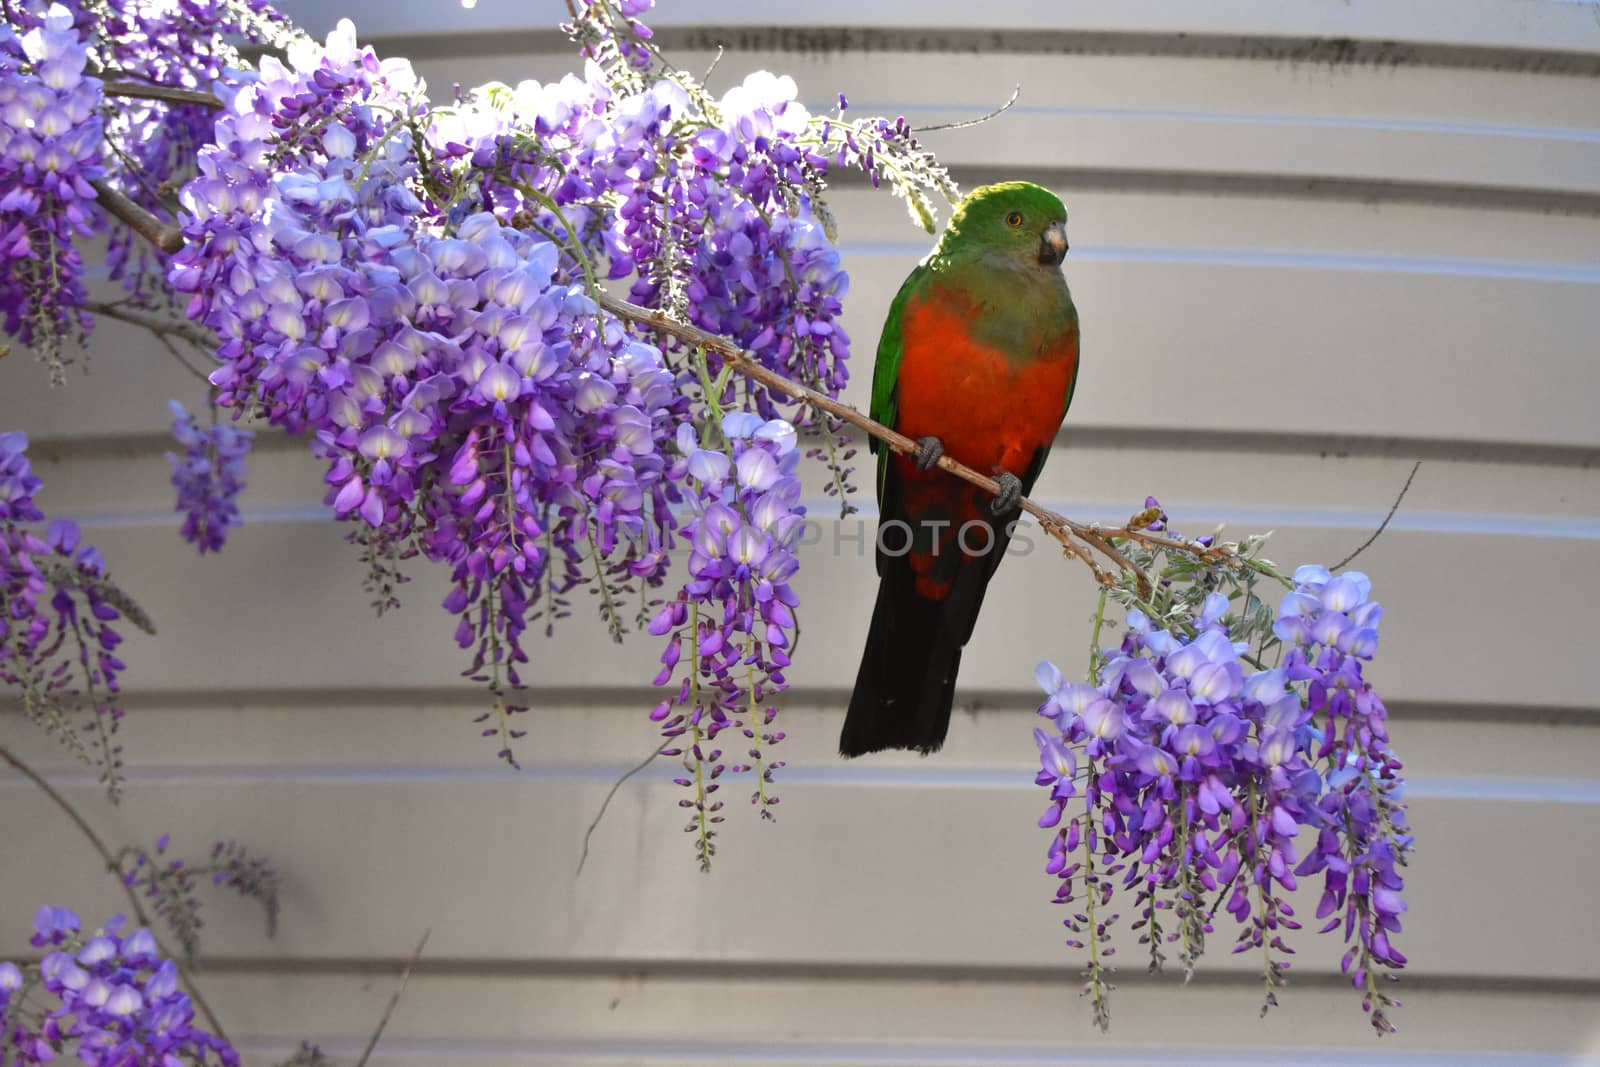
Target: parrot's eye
<point>1014,219</point>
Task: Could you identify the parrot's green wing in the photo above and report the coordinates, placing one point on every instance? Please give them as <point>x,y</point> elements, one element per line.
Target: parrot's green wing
<point>886,371</point>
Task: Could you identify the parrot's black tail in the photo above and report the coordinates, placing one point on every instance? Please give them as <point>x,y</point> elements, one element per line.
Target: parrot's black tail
<point>907,681</point>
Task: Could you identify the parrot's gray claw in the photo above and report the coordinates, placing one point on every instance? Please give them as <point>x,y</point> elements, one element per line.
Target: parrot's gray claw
<point>1010,493</point>
<point>929,451</point>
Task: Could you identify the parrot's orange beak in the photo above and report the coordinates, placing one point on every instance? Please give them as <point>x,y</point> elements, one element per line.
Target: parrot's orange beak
<point>1053,244</point>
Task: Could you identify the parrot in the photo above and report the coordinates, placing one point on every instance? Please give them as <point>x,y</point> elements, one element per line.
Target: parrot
<point>978,360</point>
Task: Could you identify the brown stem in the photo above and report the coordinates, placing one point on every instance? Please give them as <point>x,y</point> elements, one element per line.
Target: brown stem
<point>616,785</point>
<point>383,1023</point>
<point>196,372</point>
<point>115,868</point>
<point>979,121</point>
<point>169,93</point>
<point>1384,525</point>
<point>160,325</point>
<point>166,236</point>
<point>1067,531</point>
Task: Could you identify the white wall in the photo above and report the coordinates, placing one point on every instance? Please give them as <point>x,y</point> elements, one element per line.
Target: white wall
<point>1312,242</point>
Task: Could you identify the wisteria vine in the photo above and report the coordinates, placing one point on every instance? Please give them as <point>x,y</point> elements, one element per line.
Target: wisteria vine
<point>417,288</point>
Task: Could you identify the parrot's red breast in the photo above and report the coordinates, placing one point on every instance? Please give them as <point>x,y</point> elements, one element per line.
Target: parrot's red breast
<point>992,410</point>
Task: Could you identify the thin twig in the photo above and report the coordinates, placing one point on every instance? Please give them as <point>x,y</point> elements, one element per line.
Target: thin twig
<point>1385,523</point>
<point>979,121</point>
<point>1075,537</point>
<point>182,362</point>
<point>115,869</point>
<point>405,976</point>
<point>159,325</point>
<point>169,93</point>
<point>606,803</point>
<point>714,61</point>
<point>161,192</point>
<point>167,236</point>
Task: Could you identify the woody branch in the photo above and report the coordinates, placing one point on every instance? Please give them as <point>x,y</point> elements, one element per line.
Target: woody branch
<point>1078,540</point>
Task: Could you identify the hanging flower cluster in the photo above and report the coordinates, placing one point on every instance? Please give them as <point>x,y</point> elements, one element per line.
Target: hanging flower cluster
<point>50,148</point>
<point>474,404</point>
<point>713,206</point>
<point>170,885</point>
<point>732,623</point>
<point>58,648</point>
<point>154,142</point>
<point>208,476</point>
<point>56,144</point>
<point>1331,626</point>
<point>107,997</point>
<point>1187,770</point>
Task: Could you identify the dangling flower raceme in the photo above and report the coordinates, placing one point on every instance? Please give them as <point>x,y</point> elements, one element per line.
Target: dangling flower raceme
<point>106,996</point>
<point>470,397</point>
<point>732,623</point>
<point>57,645</point>
<point>208,476</point>
<point>1184,772</point>
<point>1331,625</point>
<point>50,134</point>
<point>55,142</point>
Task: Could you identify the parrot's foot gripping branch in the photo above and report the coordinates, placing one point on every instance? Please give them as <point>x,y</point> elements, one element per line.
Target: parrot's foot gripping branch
<point>1010,494</point>
<point>929,451</point>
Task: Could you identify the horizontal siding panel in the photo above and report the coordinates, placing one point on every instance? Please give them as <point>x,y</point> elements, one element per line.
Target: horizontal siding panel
<point>1526,24</point>
<point>842,1020</point>
<point>904,876</point>
<point>600,731</point>
<point>1261,338</point>
<point>1286,146</point>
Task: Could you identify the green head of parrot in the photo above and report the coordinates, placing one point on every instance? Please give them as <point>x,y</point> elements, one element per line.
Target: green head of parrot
<point>1017,223</point>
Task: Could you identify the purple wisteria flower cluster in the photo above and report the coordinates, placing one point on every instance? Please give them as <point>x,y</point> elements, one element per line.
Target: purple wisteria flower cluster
<point>170,885</point>
<point>1192,774</point>
<point>50,148</point>
<point>713,206</point>
<point>1331,625</point>
<point>56,142</point>
<point>58,648</point>
<point>208,476</point>
<point>415,287</point>
<point>154,142</point>
<point>733,622</point>
<point>106,997</point>
<point>474,404</point>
